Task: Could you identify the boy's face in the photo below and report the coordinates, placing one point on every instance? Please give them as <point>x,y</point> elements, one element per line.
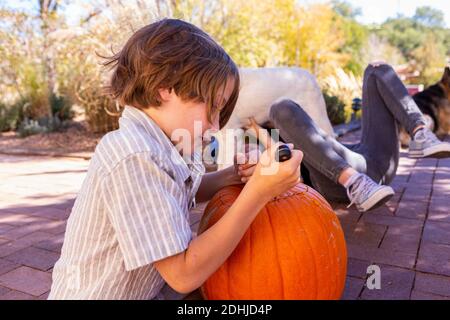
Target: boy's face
<point>187,121</point>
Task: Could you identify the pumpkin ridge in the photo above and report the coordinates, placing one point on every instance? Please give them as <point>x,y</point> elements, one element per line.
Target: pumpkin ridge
<point>277,210</point>
<point>301,197</point>
<point>276,253</point>
<point>300,221</point>
<point>324,225</point>
<point>298,197</point>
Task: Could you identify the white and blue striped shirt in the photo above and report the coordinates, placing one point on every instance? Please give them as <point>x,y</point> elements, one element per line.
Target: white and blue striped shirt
<point>132,210</point>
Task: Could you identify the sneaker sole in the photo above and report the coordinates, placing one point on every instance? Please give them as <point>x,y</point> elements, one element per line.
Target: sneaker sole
<point>431,152</point>
<point>379,198</point>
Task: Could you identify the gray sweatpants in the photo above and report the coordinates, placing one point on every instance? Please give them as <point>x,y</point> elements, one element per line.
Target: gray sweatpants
<point>385,102</point>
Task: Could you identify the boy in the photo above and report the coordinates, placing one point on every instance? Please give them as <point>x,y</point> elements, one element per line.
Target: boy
<point>129,232</point>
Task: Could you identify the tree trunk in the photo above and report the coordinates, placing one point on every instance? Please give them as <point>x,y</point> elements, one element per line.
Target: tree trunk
<point>48,7</point>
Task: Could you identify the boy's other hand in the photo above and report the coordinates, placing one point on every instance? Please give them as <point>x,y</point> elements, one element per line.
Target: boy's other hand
<point>244,164</point>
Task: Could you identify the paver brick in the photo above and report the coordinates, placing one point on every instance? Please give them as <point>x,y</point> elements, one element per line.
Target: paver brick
<point>34,257</point>
<point>396,283</point>
<point>27,280</point>
<point>434,284</point>
<point>353,288</point>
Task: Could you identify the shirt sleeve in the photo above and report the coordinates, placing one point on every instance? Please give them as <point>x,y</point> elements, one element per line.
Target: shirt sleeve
<point>143,203</point>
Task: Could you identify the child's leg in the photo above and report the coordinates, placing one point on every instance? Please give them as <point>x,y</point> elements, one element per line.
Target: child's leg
<point>383,88</point>
<point>385,101</point>
<point>323,156</point>
<point>336,171</point>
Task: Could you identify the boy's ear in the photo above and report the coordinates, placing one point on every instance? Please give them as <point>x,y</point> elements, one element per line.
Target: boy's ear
<point>165,94</point>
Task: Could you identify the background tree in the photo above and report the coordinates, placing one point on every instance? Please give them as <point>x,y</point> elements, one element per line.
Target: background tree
<point>428,58</point>
<point>345,9</point>
<point>355,34</point>
<point>429,17</point>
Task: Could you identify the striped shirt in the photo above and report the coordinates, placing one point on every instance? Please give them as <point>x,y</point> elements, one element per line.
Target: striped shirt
<point>132,210</point>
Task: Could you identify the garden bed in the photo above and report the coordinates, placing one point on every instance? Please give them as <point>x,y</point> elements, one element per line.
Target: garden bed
<point>75,140</point>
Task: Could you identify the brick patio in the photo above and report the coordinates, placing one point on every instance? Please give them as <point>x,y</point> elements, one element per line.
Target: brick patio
<point>409,238</point>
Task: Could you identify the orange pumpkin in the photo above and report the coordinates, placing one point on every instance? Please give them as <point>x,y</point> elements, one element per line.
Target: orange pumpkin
<point>294,249</point>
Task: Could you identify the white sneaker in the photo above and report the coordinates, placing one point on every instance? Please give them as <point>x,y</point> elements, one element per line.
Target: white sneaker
<point>366,194</point>
<point>426,144</point>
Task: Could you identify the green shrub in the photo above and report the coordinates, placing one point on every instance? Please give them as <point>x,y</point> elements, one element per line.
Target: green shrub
<point>35,91</point>
<point>61,107</point>
<point>12,115</point>
<point>335,109</point>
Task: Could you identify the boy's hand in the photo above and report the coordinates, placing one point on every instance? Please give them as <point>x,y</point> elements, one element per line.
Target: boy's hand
<point>244,164</point>
<point>271,178</point>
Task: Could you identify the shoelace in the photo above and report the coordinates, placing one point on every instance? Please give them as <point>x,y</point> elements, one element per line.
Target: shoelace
<point>426,134</point>
<point>355,190</point>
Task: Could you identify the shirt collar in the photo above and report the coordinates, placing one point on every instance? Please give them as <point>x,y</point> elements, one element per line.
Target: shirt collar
<point>183,167</point>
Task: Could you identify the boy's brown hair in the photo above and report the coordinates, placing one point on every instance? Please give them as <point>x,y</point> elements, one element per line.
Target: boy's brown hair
<point>173,54</point>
